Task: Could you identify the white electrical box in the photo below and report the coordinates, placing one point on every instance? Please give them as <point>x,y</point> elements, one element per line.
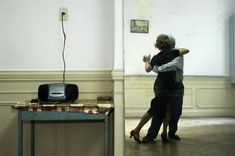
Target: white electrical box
<point>63,11</point>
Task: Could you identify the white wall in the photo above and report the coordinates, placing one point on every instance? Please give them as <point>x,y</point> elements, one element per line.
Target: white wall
<point>199,25</point>
<point>118,39</point>
<point>31,36</point>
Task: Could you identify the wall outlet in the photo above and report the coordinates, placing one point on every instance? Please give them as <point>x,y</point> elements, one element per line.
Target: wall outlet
<point>63,11</point>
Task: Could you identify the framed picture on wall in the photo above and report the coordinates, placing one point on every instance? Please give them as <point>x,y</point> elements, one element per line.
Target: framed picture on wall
<point>139,26</point>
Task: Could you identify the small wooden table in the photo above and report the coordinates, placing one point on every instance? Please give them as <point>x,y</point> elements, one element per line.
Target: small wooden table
<point>83,110</point>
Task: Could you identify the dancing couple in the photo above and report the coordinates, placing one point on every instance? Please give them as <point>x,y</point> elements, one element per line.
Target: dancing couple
<point>166,106</point>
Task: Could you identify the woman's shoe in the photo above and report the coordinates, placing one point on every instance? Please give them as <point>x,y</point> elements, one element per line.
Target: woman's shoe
<point>135,135</point>
<point>164,138</point>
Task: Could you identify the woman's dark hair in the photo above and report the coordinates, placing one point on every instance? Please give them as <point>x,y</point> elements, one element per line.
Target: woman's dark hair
<point>163,42</point>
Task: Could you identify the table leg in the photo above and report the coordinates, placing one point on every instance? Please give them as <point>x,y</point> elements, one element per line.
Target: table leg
<point>106,137</point>
<point>32,138</point>
<point>111,133</point>
<point>20,134</point>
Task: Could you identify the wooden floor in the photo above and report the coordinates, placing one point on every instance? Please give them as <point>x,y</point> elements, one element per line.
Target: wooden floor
<point>200,137</point>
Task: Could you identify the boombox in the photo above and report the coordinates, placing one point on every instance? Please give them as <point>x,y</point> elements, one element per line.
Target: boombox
<point>57,92</point>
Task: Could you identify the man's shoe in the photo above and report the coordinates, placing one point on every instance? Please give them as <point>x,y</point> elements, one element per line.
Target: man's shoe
<point>146,140</point>
<point>174,137</point>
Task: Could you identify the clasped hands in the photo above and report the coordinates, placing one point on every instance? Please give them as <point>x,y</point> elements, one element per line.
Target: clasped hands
<point>146,58</point>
